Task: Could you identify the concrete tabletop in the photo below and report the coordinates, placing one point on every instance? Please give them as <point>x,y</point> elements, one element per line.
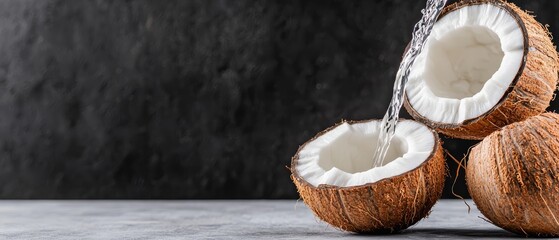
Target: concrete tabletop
<point>214,219</point>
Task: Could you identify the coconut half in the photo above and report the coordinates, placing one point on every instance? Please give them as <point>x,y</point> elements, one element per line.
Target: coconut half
<point>513,176</point>
<point>485,65</point>
<point>334,175</point>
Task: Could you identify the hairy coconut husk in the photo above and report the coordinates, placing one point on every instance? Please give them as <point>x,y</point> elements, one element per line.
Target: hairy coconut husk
<point>386,206</point>
<point>530,92</point>
<point>513,176</point>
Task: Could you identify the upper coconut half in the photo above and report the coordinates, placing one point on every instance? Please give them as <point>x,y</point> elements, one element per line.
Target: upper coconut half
<point>485,65</point>
<point>334,175</point>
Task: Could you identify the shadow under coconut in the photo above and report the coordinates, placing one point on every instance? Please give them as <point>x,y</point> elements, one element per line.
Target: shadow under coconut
<point>413,233</point>
<point>458,233</point>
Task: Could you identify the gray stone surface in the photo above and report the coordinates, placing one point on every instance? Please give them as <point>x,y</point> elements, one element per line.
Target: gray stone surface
<point>214,219</point>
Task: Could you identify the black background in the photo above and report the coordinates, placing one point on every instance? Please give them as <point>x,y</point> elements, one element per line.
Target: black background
<point>190,99</point>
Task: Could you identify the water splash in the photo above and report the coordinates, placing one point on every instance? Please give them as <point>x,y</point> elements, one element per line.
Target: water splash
<point>421,31</point>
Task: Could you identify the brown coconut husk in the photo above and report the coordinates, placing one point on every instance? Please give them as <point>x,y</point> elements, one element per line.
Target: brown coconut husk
<point>513,176</point>
<point>386,206</point>
<point>530,92</point>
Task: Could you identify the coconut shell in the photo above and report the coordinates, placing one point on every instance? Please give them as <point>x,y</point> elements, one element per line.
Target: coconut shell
<point>513,176</point>
<point>386,206</point>
<point>530,91</point>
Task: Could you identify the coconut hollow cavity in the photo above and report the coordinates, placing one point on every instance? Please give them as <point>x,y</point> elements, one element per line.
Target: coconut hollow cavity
<point>485,65</point>
<point>343,156</point>
<point>334,175</point>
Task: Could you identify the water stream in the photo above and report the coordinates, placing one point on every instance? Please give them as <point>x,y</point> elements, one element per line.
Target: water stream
<point>421,31</point>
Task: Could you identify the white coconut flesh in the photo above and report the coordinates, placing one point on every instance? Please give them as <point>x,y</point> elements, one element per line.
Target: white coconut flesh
<point>343,156</point>
<point>470,59</point>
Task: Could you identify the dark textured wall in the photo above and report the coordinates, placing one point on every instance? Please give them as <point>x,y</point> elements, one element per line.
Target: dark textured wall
<point>189,99</point>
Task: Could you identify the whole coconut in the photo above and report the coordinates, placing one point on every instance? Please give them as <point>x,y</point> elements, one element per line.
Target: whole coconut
<point>513,176</point>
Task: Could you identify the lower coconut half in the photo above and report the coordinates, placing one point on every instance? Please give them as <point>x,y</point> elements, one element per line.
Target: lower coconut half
<point>486,64</point>
<point>513,176</point>
<point>335,177</point>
